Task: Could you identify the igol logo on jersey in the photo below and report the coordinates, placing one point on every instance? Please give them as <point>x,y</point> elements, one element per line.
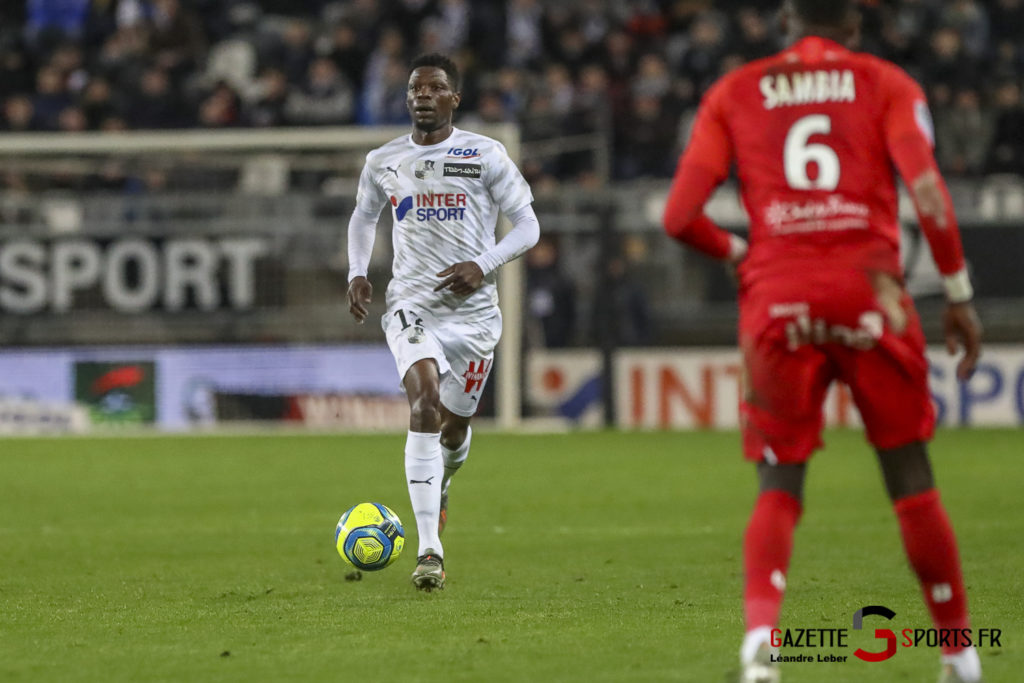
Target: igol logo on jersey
<point>441,206</point>
<point>464,152</point>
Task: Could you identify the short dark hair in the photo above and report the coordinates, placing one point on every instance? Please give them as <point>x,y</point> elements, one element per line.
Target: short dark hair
<point>441,62</point>
<point>823,12</point>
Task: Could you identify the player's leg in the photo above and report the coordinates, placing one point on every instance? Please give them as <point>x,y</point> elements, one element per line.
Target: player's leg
<point>889,384</point>
<point>424,464</point>
<point>767,547</point>
<point>469,348</point>
<point>785,388</point>
<point>931,548</point>
<point>421,362</point>
<point>456,437</point>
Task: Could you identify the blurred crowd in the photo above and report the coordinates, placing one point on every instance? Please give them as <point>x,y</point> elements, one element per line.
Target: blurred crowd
<point>632,70</point>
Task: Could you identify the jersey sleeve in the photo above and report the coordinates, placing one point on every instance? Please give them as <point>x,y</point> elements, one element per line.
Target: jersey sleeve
<point>703,167</point>
<point>362,225</point>
<point>506,185</point>
<point>910,138</point>
<point>370,199</point>
<point>710,145</point>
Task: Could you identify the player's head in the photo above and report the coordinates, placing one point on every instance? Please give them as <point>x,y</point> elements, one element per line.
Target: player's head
<point>835,19</point>
<point>433,93</point>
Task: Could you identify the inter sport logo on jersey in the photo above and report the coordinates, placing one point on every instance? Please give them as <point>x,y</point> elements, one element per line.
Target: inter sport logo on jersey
<point>440,206</point>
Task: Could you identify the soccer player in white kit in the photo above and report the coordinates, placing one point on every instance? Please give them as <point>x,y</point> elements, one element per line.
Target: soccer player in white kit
<point>445,187</point>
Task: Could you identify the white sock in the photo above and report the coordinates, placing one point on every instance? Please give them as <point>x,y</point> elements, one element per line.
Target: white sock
<point>966,664</point>
<point>453,460</point>
<point>424,468</point>
<point>752,641</point>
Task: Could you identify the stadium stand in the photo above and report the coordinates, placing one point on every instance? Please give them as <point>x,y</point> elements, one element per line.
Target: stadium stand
<point>632,71</point>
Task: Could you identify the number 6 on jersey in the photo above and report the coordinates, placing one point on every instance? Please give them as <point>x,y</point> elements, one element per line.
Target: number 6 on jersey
<point>798,155</point>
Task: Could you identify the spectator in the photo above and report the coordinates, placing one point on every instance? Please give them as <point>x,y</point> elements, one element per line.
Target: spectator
<point>325,97</point>
<point>523,32</point>
<point>624,302</point>
<point>1007,153</point>
<point>454,17</point>
<point>72,120</point>
<point>156,105</point>
<point>384,103</point>
<point>948,63</point>
<point>122,57</point>
<point>963,133</point>
<point>15,72</point>
<point>389,48</point>
<point>19,115</point>
<point>177,40</point>
<point>97,101</point>
<point>51,97</point>
<point>971,21</point>
<point>221,108</point>
<point>348,53</point>
<point>755,39</point>
<point>648,141</point>
<point>294,52</point>
<point>707,47</point>
<point>550,297</point>
<point>559,86</point>
<point>270,98</point>
<point>1007,21</point>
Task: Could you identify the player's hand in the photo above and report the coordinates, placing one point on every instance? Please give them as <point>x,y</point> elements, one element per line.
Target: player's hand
<point>360,293</point>
<point>962,328</point>
<point>462,278</point>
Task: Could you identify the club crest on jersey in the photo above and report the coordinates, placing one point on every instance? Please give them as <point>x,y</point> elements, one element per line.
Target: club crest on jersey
<point>424,168</point>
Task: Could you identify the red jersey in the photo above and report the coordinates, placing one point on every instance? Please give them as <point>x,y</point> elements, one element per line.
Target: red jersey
<point>814,132</point>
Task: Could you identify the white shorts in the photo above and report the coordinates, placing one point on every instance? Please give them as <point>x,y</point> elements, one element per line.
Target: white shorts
<point>462,348</point>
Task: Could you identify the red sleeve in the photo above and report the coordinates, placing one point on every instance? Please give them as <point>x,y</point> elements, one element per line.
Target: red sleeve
<point>910,138</point>
<point>703,167</point>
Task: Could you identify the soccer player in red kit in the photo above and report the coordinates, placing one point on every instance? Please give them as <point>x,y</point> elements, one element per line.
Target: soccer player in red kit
<point>814,133</point>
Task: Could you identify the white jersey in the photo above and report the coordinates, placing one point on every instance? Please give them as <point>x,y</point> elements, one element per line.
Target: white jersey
<point>444,200</point>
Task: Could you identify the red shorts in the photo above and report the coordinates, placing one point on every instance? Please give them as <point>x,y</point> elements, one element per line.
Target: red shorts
<point>799,337</point>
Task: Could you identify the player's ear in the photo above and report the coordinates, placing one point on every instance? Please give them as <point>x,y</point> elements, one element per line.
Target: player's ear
<point>456,100</point>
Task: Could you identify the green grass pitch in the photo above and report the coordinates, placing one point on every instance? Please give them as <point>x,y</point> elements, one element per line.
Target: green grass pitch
<point>579,557</point>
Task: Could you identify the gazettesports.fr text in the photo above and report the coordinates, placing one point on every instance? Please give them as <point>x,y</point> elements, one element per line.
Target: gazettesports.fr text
<point>909,637</point>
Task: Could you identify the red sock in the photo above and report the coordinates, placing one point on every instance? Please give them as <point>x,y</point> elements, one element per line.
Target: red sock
<point>767,546</point>
<point>931,548</point>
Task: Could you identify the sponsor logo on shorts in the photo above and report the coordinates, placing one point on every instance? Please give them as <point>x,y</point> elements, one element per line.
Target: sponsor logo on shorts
<point>462,170</point>
<point>476,374</point>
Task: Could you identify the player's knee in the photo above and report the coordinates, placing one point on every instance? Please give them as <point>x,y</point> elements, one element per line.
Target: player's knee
<point>425,412</point>
<point>907,470</point>
<point>453,434</point>
<point>788,478</point>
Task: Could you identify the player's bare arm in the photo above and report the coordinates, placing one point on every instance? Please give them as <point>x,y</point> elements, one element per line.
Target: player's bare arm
<point>461,279</point>
<point>360,294</point>
<point>962,329</point>
<point>960,324</point>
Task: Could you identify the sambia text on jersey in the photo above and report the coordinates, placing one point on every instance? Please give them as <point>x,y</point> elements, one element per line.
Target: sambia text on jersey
<point>808,87</point>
